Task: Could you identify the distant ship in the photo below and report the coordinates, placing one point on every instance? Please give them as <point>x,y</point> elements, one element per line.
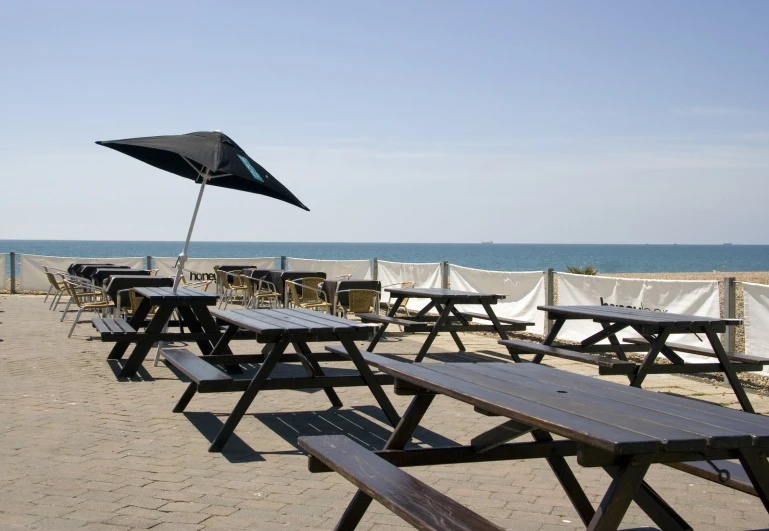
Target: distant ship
<point>727,244</point>
<point>487,243</point>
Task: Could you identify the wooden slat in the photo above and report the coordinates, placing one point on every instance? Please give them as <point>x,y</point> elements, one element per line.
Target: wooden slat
<point>100,326</point>
<point>633,316</point>
<point>382,319</point>
<point>733,356</point>
<point>529,347</point>
<point>124,326</point>
<point>580,429</point>
<point>208,377</point>
<point>659,404</point>
<point>632,416</point>
<point>500,319</point>
<point>417,503</point>
<point>738,480</point>
<point>579,405</point>
<point>443,294</point>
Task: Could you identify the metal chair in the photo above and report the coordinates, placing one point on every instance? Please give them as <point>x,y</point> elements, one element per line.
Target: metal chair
<point>259,291</point>
<point>95,300</point>
<point>306,293</point>
<point>229,291</point>
<point>57,287</point>
<point>406,284</point>
<point>358,301</point>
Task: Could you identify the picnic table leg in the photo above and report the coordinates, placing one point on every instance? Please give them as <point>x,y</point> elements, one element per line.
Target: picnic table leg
<point>617,499</point>
<point>135,322</point>
<point>142,348</point>
<point>453,334</point>
<point>654,351</point>
<point>248,395</point>
<point>207,321</point>
<point>568,481</point>
<point>365,371</point>
<point>734,381</point>
<point>494,320</point>
<point>434,332</point>
<point>655,507</point>
<point>397,441</point>
<point>557,325</point>
<point>312,368</point>
<point>381,331</point>
<point>756,466</point>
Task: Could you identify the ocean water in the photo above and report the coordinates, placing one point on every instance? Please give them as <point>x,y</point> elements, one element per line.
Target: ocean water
<point>498,257</point>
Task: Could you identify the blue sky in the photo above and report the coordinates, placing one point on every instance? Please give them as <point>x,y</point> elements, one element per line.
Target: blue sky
<point>552,122</point>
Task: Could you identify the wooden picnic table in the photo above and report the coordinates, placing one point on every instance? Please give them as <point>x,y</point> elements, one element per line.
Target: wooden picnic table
<point>655,330</point>
<point>619,428</point>
<point>278,329</point>
<point>192,305</point>
<point>450,319</point>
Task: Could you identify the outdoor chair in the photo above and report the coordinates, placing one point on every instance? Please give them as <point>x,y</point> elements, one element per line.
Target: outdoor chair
<point>57,287</point>
<point>260,293</point>
<point>306,293</point>
<point>228,291</point>
<point>95,300</point>
<point>358,301</point>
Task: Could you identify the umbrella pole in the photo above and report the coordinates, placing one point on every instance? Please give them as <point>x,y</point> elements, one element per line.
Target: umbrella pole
<point>183,257</point>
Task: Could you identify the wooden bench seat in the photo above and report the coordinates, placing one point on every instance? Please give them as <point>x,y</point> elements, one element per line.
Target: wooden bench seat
<point>738,478</point>
<point>112,326</point>
<point>416,502</point>
<point>503,320</point>
<point>733,356</point>
<point>606,366</point>
<point>407,324</point>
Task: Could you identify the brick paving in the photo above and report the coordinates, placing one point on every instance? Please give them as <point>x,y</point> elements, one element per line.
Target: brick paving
<point>80,449</point>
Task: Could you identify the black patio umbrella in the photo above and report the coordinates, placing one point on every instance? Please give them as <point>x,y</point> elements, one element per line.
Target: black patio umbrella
<point>207,157</point>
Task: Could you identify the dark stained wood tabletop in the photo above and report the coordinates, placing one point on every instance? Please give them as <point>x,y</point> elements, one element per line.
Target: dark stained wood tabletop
<point>444,294</point>
<point>634,316</point>
<point>294,320</point>
<point>612,417</point>
<point>158,295</point>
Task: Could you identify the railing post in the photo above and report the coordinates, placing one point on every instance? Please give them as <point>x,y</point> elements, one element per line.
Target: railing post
<point>13,272</point>
<point>730,312</point>
<point>149,262</point>
<point>375,269</point>
<point>445,275</point>
<point>549,295</point>
<point>283,262</point>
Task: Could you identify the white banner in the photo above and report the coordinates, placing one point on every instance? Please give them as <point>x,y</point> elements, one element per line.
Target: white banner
<point>2,270</point>
<point>756,298</point>
<point>391,274</point>
<point>33,277</point>
<point>524,292</point>
<point>692,297</point>
<point>359,269</point>
<point>204,267</point>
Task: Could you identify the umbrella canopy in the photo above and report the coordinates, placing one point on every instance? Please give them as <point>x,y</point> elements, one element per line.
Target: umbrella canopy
<point>208,155</point>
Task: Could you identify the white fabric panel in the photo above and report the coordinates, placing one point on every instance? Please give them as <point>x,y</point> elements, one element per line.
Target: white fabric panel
<point>425,276</point>
<point>359,269</point>
<point>33,277</point>
<point>2,269</point>
<point>166,268</point>
<point>524,292</point>
<point>693,297</point>
<point>756,298</point>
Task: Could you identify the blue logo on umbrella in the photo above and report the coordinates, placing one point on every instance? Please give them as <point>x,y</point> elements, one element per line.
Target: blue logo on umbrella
<point>247,164</point>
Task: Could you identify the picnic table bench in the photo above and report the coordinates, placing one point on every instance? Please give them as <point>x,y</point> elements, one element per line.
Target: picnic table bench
<point>621,429</point>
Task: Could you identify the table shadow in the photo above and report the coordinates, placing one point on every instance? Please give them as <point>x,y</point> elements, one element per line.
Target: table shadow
<point>141,373</point>
<point>366,425</point>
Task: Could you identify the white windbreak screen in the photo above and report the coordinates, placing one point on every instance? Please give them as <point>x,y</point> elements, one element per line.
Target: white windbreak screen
<point>359,269</point>
<point>692,297</point>
<point>756,298</point>
<point>2,269</point>
<point>425,275</point>
<point>524,291</point>
<point>33,277</point>
<point>203,268</point>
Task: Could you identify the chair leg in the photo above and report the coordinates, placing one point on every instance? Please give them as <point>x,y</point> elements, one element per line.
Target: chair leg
<point>77,317</point>
<point>46,295</point>
<point>66,309</point>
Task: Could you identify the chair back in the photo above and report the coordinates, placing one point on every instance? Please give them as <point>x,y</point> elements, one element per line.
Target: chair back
<point>309,288</point>
<point>222,280</point>
<point>362,300</point>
